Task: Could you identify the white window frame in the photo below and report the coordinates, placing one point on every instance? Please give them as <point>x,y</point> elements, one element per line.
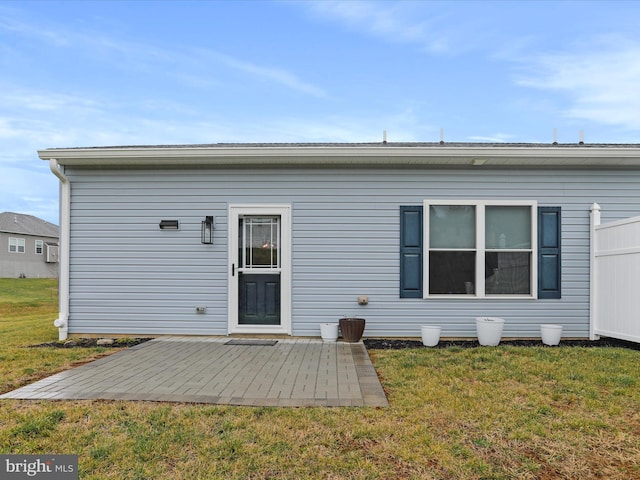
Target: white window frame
<point>247,260</point>
<point>39,243</point>
<point>18,244</point>
<point>480,248</point>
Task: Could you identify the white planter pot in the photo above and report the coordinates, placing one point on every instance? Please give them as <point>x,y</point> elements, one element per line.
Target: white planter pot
<point>551,334</point>
<point>489,330</point>
<point>329,332</point>
<point>430,335</point>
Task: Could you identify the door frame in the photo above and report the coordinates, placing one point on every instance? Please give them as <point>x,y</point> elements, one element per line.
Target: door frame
<point>284,212</point>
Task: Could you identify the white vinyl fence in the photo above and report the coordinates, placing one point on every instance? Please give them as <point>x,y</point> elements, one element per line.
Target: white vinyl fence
<point>615,278</point>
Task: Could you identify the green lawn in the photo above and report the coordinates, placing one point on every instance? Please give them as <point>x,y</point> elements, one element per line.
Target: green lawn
<point>481,413</point>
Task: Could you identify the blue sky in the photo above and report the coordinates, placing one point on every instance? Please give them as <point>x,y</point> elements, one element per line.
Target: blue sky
<point>83,73</point>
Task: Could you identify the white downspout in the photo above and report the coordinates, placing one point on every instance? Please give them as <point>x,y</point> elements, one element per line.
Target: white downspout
<point>65,228</point>
<point>593,273</point>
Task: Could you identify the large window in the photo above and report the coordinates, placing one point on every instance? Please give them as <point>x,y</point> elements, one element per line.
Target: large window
<point>480,248</point>
<point>16,245</point>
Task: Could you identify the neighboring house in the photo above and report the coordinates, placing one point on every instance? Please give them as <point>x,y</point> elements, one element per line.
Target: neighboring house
<point>430,233</point>
<point>28,247</point>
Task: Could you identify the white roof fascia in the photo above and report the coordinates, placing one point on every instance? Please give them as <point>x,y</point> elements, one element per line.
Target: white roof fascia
<point>296,155</point>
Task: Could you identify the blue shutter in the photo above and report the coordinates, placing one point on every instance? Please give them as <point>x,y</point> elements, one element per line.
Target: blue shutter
<point>411,252</point>
<point>549,243</point>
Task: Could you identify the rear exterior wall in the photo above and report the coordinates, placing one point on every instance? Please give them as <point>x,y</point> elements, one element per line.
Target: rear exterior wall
<point>29,264</point>
<point>129,277</point>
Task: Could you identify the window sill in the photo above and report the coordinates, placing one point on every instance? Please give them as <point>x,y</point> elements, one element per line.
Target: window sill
<point>486,297</point>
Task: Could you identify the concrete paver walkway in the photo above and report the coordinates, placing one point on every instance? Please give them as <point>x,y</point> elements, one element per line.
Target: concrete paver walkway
<point>293,373</point>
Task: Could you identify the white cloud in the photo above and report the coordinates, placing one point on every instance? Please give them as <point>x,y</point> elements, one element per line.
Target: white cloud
<point>417,23</point>
<point>401,126</point>
<point>495,138</point>
<point>184,66</point>
<point>262,72</point>
<point>21,137</point>
<point>14,26</point>
<point>50,101</point>
<point>38,115</point>
<point>600,81</point>
<point>31,192</point>
<point>135,56</point>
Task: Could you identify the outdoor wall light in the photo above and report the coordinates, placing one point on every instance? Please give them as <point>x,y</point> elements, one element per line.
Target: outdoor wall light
<point>206,234</point>
<point>168,224</point>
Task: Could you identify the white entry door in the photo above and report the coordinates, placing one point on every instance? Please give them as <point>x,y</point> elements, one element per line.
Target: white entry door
<point>259,269</point>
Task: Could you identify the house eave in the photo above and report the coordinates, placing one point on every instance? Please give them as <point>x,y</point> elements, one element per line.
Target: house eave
<point>530,155</point>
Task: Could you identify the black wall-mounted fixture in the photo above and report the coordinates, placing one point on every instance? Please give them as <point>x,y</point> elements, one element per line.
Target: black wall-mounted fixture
<point>206,234</point>
<point>168,224</point>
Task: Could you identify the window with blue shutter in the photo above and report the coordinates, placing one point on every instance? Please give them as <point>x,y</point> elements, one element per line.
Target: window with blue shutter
<point>549,242</point>
<point>411,251</point>
<point>411,238</point>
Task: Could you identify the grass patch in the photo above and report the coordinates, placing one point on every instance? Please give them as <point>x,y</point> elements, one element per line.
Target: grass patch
<point>474,413</point>
<point>28,307</point>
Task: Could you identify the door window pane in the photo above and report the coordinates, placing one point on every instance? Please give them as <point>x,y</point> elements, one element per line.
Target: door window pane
<point>452,226</point>
<point>261,242</point>
<point>507,273</point>
<point>508,227</point>
<point>452,273</point>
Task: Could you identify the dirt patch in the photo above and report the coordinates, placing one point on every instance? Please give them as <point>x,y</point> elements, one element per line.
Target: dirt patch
<point>93,342</point>
<point>397,344</point>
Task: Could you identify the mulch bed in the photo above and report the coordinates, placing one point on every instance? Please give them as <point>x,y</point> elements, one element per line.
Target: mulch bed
<point>93,342</point>
<point>371,343</point>
<point>398,344</point>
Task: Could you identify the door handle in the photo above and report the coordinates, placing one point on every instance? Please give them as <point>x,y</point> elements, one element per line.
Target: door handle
<point>233,269</point>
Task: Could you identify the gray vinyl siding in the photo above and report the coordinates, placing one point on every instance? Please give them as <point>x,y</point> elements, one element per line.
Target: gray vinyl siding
<point>29,263</point>
<point>130,277</point>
